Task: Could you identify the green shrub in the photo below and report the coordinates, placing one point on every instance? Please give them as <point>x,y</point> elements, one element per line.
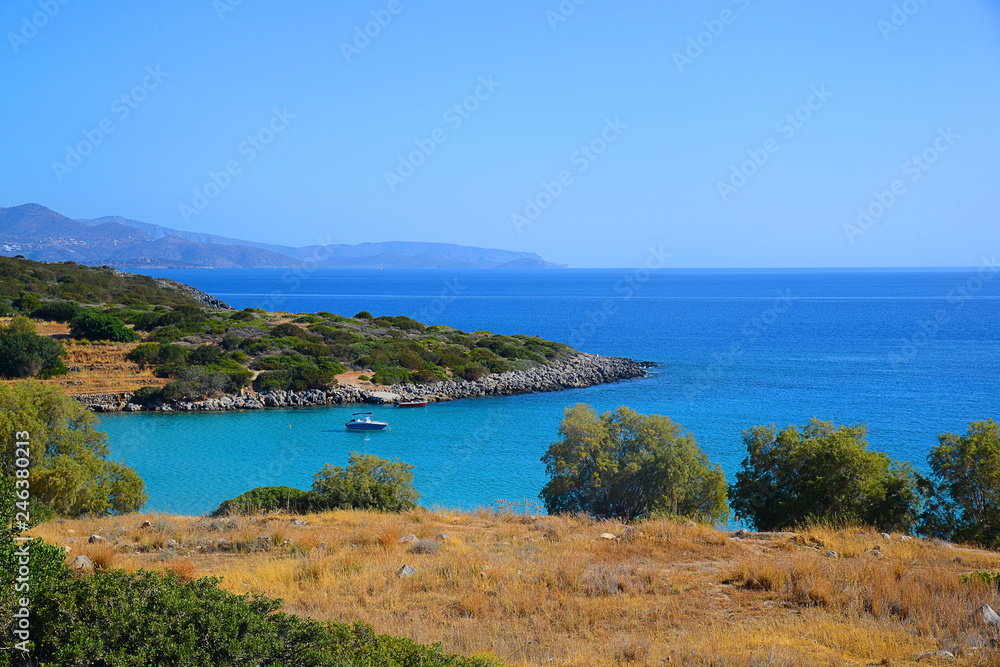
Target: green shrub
<point>266,499</point>
<point>963,496</point>
<point>147,395</point>
<point>204,355</point>
<point>27,302</point>
<point>70,470</point>
<point>23,353</point>
<point>288,329</point>
<point>425,376</point>
<point>245,315</point>
<point>364,315</point>
<point>57,311</point>
<point>825,473</point>
<point>368,482</point>
<point>472,372</point>
<point>626,465</point>
<point>231,341</point>
<point>166,335</point>
<point>147,354</point>
<point>98,326</point>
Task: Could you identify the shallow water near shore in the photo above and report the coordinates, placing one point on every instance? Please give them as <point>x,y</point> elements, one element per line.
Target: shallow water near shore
<point>736,348</point>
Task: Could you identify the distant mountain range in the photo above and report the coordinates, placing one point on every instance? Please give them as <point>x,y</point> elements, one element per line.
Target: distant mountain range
<point>42,234</point>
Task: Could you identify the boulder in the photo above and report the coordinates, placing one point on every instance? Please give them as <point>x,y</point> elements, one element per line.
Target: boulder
<point>94,539</point>
<point>145,524</point>
<point>425,546</point>
<point>831,554</point>
<point>171,544</point>
<point>608,536</point>
<point>406,539</point>
<point>886,536</point>
<point>988,616</point>
<point>406,571</point>
<point>442,537</point>
<point>83,564</point>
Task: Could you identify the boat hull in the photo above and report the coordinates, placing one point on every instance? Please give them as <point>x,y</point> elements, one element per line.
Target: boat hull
<point>365,426</point>
<point>412,404</point>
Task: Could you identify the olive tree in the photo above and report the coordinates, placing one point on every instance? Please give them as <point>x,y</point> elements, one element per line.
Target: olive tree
<point>70,473</point>
<point>964,493</point>
<point>627,465</point>
<point>820,472</point>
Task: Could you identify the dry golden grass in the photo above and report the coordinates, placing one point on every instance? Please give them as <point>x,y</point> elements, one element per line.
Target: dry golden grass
<point>96,369</point>
<point>535,589</point>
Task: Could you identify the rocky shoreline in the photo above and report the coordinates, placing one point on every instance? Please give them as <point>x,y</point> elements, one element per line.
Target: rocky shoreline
<point>582,370</point>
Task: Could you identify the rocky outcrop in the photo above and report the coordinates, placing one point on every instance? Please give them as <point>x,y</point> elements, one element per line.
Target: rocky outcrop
<point>582,370</point>
<point>206,300</point>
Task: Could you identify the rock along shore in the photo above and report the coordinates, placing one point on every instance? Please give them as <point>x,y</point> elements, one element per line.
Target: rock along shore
<point>582,370</point>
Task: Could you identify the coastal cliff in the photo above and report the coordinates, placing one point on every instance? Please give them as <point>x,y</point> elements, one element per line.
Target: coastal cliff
<point>581,370</point>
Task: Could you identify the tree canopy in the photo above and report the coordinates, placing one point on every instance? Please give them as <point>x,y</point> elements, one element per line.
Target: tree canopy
<point>821,472</point>
<point>70,471</point>
<point>964,494</point>
<point>627,465</point>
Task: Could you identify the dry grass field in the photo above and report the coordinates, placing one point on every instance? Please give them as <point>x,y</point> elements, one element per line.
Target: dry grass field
<point>552,590</point>
<point>95,369</point>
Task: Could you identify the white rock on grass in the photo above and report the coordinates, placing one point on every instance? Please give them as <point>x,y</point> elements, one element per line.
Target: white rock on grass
<point>406,571</point>
<point>406,539</point>
<point>83,563</point>
<point>988,616</point>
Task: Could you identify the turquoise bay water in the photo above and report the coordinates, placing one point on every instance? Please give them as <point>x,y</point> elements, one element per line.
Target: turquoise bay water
<point>736,349</point>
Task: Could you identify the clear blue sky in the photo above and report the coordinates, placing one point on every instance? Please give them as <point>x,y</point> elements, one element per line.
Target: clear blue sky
<point>323,176</point>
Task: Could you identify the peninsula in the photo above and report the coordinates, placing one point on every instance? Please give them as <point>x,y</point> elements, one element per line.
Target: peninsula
<point>129,342</point>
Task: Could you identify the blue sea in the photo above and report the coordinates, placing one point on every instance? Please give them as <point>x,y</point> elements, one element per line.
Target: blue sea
<point>912,354</point>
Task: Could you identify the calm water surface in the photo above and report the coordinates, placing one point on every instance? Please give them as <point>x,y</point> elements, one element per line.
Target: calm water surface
<point>736,349</point>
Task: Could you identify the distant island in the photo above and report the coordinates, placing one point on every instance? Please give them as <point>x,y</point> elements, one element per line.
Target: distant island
<point>41,234</point>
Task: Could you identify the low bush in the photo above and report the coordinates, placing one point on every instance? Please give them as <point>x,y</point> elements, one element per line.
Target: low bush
<point>266,499</point>
<point>97,326</point>
<point>23,353</point>
<point>57,311</point>
<point>368,482</point>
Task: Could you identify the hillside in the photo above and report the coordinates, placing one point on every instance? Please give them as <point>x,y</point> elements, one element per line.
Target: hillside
<point>207,350</point>
<point>42,234</point>
<point>571,591</point>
